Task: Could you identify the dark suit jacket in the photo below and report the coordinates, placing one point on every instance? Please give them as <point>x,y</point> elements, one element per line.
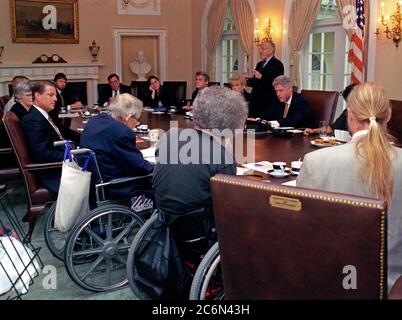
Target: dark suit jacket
<point>161,96</point>
<point>40,137</point>
<point>341,123</point>
<point>263,94</point>
<point>19,110</point>
<point>64,123</point>
<point>107,93</point>
<point>115,147</point>
<point>299,115</point>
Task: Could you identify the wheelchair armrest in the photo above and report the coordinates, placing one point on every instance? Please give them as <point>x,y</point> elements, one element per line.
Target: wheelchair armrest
<point>43,166</point>
<point>80,151</point>
<point>62,143</point>
<point>122,180</point>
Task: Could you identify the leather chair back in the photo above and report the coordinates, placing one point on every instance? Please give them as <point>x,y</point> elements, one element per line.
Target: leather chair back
<point>323,104</point>
<point>395,124</point>
<point>139,89</point>
<point>281,242</point>
<point>36,194</point>
<point>176,91</point>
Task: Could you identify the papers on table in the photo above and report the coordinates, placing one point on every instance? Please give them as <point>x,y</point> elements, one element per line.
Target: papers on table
<point>240,171</point>
<point>149,154</point>
<point>262,166</point>
<point>295,131</point>
<point>291,183</point>
<point>69,115</point>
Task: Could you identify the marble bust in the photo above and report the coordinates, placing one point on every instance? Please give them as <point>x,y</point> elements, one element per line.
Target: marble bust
<point>140,66</point>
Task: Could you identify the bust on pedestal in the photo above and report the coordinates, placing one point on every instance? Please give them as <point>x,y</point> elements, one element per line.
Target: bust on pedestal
<point>140,66</point>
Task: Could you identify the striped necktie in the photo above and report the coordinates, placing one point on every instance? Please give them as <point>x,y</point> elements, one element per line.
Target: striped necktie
<point>55,128</point>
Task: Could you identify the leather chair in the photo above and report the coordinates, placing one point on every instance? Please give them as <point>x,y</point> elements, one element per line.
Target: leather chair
<point>176,91</point>
<point>280,242</point>
<point>395,124</point>
<point>9,170</point>
<point>323,104</point>
<point>139,89</point>
<point>37,195</point>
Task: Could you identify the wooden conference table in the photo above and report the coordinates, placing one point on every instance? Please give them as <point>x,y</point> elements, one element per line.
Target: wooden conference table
<point>267,146</point>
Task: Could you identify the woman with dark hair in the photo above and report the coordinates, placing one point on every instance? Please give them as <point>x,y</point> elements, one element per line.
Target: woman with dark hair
<point>155,96</point>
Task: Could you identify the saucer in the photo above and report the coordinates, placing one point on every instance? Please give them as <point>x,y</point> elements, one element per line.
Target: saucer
<point>287,173</point>
<point>295,173</point>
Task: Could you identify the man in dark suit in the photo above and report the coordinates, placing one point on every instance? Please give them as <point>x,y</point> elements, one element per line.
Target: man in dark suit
<point>115,88</point>
<point>41,132</point>
<point>293,110</point>
<point>263,94</point>
<point>64,102</point>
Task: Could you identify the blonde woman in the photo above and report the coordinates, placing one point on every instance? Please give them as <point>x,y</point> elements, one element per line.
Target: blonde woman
<point>367,166</point>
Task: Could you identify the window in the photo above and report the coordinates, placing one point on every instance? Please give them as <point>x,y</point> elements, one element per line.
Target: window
<point>230,55</point>
<point>325,63</point>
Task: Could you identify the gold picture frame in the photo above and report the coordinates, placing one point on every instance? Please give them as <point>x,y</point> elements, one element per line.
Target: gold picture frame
<point>44,21</point>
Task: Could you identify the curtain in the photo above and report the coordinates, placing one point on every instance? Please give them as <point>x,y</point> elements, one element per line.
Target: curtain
<point>341,4</point>
<point>216,20</point>
<point>243,20</point>
<point>302,19</point>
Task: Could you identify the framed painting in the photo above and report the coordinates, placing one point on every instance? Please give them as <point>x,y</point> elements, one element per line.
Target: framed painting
<point>43,21</point>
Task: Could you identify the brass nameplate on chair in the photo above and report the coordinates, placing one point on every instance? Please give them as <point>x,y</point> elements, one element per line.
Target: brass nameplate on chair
<point>285,203</point>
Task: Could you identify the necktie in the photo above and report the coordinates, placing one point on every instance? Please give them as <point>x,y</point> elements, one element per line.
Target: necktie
<point>62,100</point>
<point>286,110</point>
<point>116,92</point>
<point>265,63</point>
<point>55,128</point>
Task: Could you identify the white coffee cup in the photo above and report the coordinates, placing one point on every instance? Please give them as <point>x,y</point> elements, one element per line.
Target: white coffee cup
<point>143,127</point>
<point>154,135</point>
<point>296,165</point>
<point>342,135</point>
<point>279,167</point>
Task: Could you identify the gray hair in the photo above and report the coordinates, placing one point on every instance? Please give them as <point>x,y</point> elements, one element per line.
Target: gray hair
<point>284,81</point>
<point>219,108</point>
<point>269,43</point>
<point>22,88</point>
<point>124,105</point>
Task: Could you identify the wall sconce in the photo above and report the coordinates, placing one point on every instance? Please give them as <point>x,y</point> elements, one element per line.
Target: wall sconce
<point>1,52</point>
<point>267,32</point>
<point>126,2</point>
<point>391,23</point>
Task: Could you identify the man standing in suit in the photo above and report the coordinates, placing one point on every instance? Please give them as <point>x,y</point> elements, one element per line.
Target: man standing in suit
<point>293,110</point>
<point>41,132</point>
<point>115,89</point>
<point>263,93</point>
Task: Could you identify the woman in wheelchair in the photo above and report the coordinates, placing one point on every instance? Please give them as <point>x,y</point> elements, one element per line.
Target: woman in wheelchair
<point>182,181</point>
<point>111,137</point>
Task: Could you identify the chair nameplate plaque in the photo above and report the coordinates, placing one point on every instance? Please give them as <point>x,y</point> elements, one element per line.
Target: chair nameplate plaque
<point>285,203</point>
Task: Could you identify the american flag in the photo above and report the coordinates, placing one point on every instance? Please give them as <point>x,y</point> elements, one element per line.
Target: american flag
<point>356,52</point>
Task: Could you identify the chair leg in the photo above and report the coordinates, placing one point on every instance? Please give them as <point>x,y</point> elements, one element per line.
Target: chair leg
<point>32,217</point>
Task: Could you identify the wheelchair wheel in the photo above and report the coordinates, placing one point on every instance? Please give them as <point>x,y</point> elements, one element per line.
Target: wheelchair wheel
<point>96,250</point>
<point>208,281</point>
<point>131,270</point>
<point>55,239</point>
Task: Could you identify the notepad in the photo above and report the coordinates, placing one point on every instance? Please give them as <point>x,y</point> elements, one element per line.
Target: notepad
<point>262,166</point>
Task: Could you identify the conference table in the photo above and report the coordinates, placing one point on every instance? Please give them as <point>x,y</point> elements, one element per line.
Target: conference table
<point>268,147</point>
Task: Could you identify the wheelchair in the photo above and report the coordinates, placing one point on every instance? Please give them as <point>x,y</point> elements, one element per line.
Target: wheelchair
<point>95,249</point>
<point>207,278</point>
<point>207,283</point>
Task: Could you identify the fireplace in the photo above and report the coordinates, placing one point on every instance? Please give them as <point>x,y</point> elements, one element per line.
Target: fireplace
<point>82,78</point>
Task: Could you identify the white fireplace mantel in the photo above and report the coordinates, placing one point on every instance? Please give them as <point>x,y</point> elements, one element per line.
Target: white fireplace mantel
<point>88,72</point>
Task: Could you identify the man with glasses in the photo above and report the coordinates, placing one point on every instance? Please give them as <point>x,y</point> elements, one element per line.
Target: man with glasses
<point>115,88</point>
